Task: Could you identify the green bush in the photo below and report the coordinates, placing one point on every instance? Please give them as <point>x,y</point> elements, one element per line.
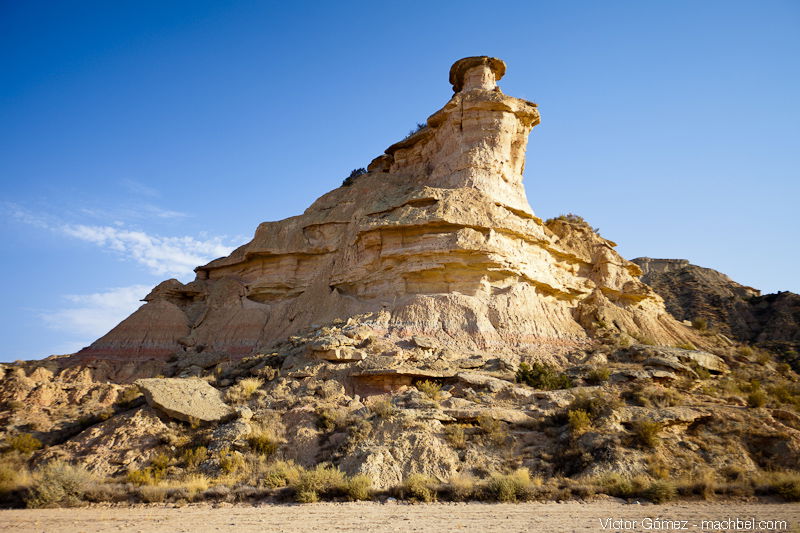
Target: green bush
<point>24,443</point>
<point>541,376</point>
<point>579,421</point>
<point>598,375</point>
<point>757,398</point>
<point>419,487</point>
<point>647,433</point>
<point>359,487</point>
<point>431,389</point>
<point>282,474</point>
<point>193,457</point>
<point>59,484</point>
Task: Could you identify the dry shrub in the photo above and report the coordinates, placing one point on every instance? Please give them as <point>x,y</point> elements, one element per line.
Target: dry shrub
<point>654,396</point>
<point>513,487</point>
<point>785,484</point>
<point>152,493</point>
<point>647,432</point>
<point>14,477</point>
<point>262,441</point>
<point>660,491</point>
<point>333,419</point>
<point>619,486</point>
<point>244,390</point>
<point>230,461</point>
<point>494,430</point>
<point>579,421</point>
<point>282,474</point>
<point>194,456</point>
<point>24,443</point>
<point>456,436</point>
<point>757,398</point>
<point>541,376</point>
<point>431,389</point>
<point>59,484</point>
<point>383,407</point>
<point>462,487</point>
<point>419,488</point>
<point>598,375</point>
<point>359,487</point>
<point>320,480</point>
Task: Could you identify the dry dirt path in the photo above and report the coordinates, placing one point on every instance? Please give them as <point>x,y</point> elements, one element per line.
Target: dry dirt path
<point>375,517</point>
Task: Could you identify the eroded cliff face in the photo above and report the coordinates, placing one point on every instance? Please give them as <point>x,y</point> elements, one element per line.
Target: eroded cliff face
<point>437,238</point>
<point>692,292</point>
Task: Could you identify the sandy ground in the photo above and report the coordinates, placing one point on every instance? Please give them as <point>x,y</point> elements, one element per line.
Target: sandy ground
<point>376,517</point>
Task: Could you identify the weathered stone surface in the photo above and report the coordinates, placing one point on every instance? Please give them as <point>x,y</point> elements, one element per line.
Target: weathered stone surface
<point>436,241</point>
<point>186,399</point>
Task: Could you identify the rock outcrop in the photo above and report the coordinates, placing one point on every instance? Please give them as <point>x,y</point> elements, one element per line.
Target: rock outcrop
<point>190,400</point>
<point>691,292</point>
<point>437,239</point>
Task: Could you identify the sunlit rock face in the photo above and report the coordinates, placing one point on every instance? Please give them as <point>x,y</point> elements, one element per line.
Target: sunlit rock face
<point>437,238</point>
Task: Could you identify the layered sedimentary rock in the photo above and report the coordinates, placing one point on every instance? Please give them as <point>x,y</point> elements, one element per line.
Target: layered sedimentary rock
<point>437,239</point>
<point>692,292</point>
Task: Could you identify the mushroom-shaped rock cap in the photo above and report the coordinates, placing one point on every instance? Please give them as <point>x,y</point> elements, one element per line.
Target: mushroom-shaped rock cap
<point>461,66</point>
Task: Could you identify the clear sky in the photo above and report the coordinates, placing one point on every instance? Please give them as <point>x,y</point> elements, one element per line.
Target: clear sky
<point>139,139</point>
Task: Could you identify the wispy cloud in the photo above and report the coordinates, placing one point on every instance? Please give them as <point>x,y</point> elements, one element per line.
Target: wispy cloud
<point>176,256</point>
<point>170,256</point>
<point>89,316</point>
<point>139,188</point>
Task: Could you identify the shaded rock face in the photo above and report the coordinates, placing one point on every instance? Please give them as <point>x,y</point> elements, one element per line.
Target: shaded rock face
<point>437,239</point>
<point>691,292</point>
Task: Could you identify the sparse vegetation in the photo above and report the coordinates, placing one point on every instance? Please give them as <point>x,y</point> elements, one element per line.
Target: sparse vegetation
<point>647,433</point>
<point>59,484</point>
<point>262,441</point>
<point>513,487</point>
<point>700,324</point>
<point>24,443</point>
<point>281,474</point>
<point>420,488</point>
<point>359,487</point>
<point>661,491</point>
<point>579,421</point>
<point>194,456</point>
<point>456,436</point>
<point>598,375</point>
<point>756,398</point>
<point>494,430</point>
<point>431,389</point>
<point>541,376</point>
<point>382,407</point>
<point>244,390</point>
<point>355,173</point>
<point>320,480</point>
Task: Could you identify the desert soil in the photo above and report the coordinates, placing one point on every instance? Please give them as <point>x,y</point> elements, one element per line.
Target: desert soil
<point>376,517</point>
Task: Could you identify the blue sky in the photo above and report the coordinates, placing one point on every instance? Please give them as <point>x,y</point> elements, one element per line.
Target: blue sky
<point>138,139</point>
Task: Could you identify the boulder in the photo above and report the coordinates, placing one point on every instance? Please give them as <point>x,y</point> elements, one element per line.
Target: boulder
<point>186,399</point>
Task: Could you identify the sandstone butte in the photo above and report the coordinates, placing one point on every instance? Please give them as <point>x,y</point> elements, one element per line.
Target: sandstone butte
<point>436,239</point>
<point>383,332</point>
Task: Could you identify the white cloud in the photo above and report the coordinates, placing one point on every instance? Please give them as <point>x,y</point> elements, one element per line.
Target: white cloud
<point>92,315</point>
<point>175,256</point>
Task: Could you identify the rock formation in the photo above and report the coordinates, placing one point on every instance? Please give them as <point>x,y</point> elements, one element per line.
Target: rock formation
<point>742,313</point>
<point>420,319</point>
<point>436,239</point>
